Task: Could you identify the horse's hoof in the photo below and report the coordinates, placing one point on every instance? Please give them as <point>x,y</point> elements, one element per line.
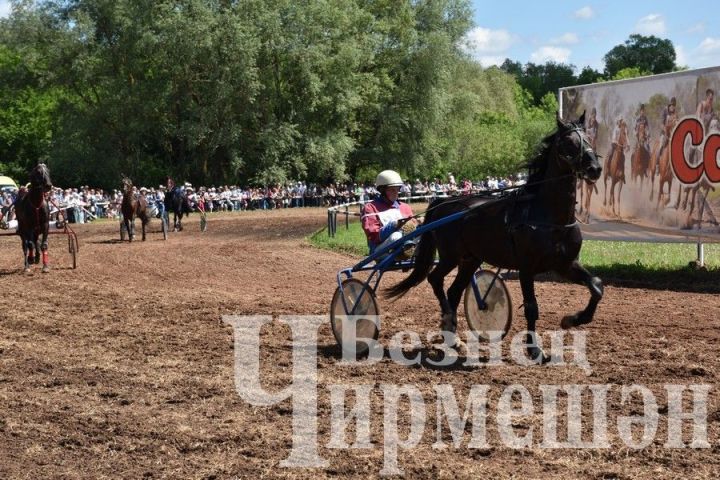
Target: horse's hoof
<point>537,355</point>
<point>45,269</point>
<point>448,324</point>
<point>569,321</point>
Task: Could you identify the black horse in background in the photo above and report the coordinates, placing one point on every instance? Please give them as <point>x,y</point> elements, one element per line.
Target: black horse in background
<point>532,230</point>
<point>33,216</point>
<point>133,205</point>
<point>176,201</point>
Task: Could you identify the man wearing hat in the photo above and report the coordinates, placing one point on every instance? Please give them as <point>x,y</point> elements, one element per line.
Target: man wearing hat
<point>384,217</point>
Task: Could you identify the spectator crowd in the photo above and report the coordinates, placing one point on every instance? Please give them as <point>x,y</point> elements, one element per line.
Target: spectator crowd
<point>84,204</point>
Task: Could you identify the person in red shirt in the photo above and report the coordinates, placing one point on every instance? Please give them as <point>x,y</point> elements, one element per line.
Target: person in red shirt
<point>383,217</point>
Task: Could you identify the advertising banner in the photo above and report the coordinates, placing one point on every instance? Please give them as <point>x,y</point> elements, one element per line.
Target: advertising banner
<point>659,139</point>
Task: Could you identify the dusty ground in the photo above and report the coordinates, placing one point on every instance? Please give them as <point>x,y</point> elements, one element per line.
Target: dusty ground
<point>124,369</point>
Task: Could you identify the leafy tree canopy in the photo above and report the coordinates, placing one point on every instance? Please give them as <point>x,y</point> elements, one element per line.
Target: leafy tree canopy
<point>647,53</point>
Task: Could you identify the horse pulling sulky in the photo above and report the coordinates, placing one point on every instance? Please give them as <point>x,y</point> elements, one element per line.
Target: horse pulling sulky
<point>531,229</point>
<point>32,210</point>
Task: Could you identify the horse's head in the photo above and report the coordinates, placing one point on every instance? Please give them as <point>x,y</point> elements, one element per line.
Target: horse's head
<point>40,177</point>
<point>127,184</point>
<point>575,152</point>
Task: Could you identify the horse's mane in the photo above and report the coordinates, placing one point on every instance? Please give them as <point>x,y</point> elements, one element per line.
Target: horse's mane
<point>538,163</point>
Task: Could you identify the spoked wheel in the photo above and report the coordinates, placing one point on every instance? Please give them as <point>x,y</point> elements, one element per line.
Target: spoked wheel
<point>362,314</point>
<point>72,249</point>
<point>492,322</point>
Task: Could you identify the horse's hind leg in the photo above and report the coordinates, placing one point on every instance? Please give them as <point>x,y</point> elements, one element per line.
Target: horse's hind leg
<point>436,279</point>
<point>578,274</point>
<point>527,284</point>
<point>466,270</point>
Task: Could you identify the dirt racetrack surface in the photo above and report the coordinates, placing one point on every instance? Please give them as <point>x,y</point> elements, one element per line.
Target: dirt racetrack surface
<point>123,368</point>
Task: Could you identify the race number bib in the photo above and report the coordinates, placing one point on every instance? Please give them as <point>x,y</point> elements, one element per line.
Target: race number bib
<point>390,215</point>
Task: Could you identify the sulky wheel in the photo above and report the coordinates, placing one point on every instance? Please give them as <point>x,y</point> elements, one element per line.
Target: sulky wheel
<point>492,322</point>
<point>362,313</point>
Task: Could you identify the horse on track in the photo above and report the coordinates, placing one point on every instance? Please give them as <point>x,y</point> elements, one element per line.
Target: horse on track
<point>532,230</point>
<point>176,201</point>
<point>33,217</point>
<point>133,205</point>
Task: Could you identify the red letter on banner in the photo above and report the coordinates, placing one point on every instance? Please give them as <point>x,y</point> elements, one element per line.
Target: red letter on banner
<point>710,154</point>
<point>684,172</point>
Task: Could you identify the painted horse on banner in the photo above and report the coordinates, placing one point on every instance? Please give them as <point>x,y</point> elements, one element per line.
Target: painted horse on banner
<point>615,168</point>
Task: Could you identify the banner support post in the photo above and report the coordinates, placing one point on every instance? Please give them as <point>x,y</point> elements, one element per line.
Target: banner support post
<point>700,254</point>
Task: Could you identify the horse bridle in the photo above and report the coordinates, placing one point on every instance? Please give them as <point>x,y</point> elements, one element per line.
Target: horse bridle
<point>576,160</point>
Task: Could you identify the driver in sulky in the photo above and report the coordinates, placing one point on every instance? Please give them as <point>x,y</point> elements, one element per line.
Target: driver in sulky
<point>386,219</point>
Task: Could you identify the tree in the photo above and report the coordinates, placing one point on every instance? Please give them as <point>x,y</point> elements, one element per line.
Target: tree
<point>649,54</point>
<point>588,75</point>
<point>540,79</point>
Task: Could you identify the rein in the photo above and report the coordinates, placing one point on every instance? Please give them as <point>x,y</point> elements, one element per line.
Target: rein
<point>491,192</point>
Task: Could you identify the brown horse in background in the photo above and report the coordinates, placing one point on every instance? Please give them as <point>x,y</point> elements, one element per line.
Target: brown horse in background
<point>133,205</point>
<point>615,169</point>
<point>665,172</point>
<point>640,159</point>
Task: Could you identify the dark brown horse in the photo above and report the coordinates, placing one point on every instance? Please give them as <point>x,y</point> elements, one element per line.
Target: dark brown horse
<point>133,205</point>
<point>33,216</point>
<point>532,230</point>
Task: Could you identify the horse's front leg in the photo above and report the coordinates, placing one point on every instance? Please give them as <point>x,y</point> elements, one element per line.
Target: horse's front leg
<point>527,284</point>
<point>27,253</point>
<point>44,249</point>
<point>143,223</point>
<point>578,274</point>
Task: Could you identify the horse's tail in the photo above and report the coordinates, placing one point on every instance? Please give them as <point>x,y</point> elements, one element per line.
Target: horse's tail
<point>424,259</point>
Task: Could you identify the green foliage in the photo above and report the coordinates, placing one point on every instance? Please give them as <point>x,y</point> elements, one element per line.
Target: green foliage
<point>256,92</point>
<point>630,72</point>
<point>540,80</point>
<point>588,75</point>
<point>647,54</point>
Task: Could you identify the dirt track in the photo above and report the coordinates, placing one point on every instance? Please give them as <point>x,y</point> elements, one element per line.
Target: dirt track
<point>124,369</point>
